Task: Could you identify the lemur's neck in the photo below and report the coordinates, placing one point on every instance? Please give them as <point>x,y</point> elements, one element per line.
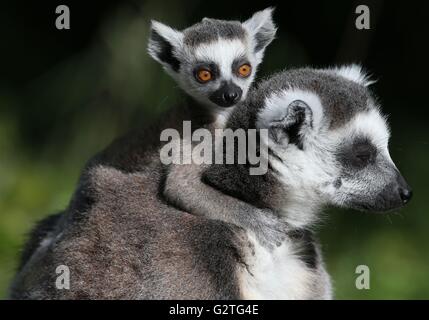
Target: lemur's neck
<point>300,214</point>
<point>203,115</point>
<point>199,114</point>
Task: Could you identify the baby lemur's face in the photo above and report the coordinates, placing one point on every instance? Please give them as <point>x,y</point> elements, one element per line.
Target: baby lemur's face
<point>329,142</point>
<point>214,61</point>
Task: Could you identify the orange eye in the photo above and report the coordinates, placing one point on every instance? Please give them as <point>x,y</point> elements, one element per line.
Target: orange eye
<point>244,70</point>
<point>204,75</point>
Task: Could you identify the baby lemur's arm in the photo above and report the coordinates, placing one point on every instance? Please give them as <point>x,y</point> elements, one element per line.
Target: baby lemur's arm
<point>184,188</point>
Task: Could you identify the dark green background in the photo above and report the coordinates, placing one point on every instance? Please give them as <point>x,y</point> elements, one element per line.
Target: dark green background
<point>66,94</point>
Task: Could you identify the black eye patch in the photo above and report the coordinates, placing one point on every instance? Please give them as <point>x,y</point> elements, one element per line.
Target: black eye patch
<point>238,62</point>
<point>358,154</point>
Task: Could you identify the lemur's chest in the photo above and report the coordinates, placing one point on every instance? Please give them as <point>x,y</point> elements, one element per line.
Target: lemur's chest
<point>276,274</point>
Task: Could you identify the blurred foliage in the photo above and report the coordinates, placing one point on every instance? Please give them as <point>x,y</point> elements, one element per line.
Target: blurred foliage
<point>64,96</point>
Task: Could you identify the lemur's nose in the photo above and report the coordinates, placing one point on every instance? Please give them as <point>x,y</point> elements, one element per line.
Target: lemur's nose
<point>404,189</point>
<point>227,95</point>
<point>406,195</point>
<point>230,96</point>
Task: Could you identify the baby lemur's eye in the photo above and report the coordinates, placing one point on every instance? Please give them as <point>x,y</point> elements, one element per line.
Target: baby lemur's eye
<point>244,70</point>
<point>204,75</point>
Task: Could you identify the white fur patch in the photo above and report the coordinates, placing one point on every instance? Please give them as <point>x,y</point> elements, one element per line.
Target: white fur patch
<point>301,173</point>
<point>275,106</point>
<point>302,169</point>
<point>174,37</point>
<point>371,124</point>
<point>223,52</point>
<point>354,73</point>
<point>276,274</point>
<point>258,20</point>
<point>45,243</point>
<point>261,23</point>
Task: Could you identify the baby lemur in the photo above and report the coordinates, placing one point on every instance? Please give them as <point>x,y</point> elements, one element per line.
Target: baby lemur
<point>215,62</point>
<point>327,145</point>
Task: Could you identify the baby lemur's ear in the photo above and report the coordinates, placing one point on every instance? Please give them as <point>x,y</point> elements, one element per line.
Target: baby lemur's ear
<point>262,29</point>
<point>164,44</point>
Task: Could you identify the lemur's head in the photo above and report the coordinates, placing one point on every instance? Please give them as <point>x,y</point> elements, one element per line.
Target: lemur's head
<point>328,140</point>
<point>214,61</point>
<point>327,145</point>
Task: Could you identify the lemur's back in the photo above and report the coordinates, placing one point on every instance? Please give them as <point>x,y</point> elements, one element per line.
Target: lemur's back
<point>130,153</point>
<point>131,245</point>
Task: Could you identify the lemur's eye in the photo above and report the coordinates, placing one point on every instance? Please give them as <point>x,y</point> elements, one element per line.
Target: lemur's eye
<point>364,157</point>
<point>204,75</point>
<point>244,70</point>
<point>364,153</point>
<point>358,154</point>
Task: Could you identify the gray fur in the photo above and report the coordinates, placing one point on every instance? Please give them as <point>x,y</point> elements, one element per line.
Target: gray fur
<point>128,153</point>
<point>183,189</point>
<point>119,251</point>
<point>210,44</point>
<point>122,240</point>
<point>341,98</point>
<point>110,233</point>
<point>210,30</point>
<point>40,232</point>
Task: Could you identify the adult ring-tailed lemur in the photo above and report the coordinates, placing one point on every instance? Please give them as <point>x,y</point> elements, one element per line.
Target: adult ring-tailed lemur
<point>327,145</point>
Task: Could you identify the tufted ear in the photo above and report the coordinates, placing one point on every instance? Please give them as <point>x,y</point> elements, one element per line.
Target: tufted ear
<point>354,72</point>
<point>262,30</point>
<point>164,43</point>
<point>206,19</point>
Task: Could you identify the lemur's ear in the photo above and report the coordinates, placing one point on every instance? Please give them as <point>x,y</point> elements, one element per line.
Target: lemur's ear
<point>292,126</point>
<point>164,43</point>
<point>206,19</point>
<point>354,72</point>
<point>261,27</point>
<point>290,115</point>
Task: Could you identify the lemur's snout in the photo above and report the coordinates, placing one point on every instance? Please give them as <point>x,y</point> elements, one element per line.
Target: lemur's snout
<point>405,195</point>
<point>227,95</point>
<point>404,190</point>
<point>398,195</point>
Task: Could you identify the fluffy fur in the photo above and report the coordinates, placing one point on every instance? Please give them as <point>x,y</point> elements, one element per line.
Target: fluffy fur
<point>327,146</point>
<point>217,45</point>
<point>179,52</point>
<point>121,240</point>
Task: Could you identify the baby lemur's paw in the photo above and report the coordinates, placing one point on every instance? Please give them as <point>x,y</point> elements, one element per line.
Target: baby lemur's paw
<point>270,230</point>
